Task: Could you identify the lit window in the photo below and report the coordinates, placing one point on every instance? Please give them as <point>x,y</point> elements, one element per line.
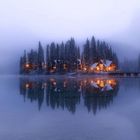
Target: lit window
<point>27,65</point>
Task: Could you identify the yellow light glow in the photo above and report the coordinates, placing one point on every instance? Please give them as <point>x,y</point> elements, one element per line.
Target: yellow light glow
<point>65,66</point>
<point>102,84</point>
<point>91,69</point>
<point>85,69</point>
<point>109,81</point>
<point>98,82</point>
<point>27,65</point>
<point>98,68</point>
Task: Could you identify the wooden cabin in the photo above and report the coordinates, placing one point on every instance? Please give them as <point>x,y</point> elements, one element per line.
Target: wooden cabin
<point>103,66</point>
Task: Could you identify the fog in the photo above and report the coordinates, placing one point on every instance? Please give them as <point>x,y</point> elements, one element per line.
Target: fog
<point>24,23</point>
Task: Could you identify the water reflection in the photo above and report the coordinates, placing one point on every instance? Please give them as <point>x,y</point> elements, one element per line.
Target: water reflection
<point>95,93</point>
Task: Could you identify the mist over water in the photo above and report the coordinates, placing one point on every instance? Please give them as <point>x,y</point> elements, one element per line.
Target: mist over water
<point>58,108</point>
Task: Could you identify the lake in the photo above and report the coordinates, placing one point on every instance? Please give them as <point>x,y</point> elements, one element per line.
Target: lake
<point>69,108</point>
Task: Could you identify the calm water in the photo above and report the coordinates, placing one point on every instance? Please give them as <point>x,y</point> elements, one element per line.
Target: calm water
<point>69,108</point>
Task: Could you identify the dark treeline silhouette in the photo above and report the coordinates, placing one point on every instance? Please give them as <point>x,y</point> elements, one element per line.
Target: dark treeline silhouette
<point>138,68</point>
<point>128,65</point>
<point>94,51</point>
<point>65,57</point>
<point>67,93</point>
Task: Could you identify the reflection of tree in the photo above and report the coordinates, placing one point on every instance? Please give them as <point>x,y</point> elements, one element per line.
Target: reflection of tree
<point>93,102</point>
<point>66,93</point>
<point>99,93</point>
<point>33,91</point>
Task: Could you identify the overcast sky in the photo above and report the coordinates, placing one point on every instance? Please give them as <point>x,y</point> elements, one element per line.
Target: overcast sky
<point>24,22</point>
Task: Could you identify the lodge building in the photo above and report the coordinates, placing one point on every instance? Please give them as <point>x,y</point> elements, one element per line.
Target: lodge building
<point>103,66</point>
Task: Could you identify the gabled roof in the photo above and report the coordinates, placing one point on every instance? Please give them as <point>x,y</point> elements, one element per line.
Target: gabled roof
<point>108,63</point>
<point>94,65</point>
<point>107,87</point>
<point>94,85</point>
<point>105,63</point>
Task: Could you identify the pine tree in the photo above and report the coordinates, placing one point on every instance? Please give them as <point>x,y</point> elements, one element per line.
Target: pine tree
<point>93,52</point>
<point>139,63</point>
<point>40,58</point>
<point>21,70</point>
<point>86,53</point>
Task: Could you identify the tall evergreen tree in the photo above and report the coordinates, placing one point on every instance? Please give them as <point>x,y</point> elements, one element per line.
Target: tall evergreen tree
<point>86,53</point>
<point>40,58</point>
<point>93,51</point>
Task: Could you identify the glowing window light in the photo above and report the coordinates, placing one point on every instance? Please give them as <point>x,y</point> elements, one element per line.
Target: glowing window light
<point>109,81</point>
<point>98,81</point>
<point>27,65</point>
<point>85,68</point>
<point>91,68</point>
<point>98,68</point>
<point>102,84</point>
<point>27,85</point>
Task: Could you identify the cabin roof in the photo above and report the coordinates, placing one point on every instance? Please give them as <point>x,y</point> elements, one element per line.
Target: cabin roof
<point>108,63</point>
<point>105,63</point>
<point>107,87</point>
<point>94,65</point>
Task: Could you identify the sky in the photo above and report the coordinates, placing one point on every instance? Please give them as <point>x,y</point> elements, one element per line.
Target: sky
<point>25,22</point>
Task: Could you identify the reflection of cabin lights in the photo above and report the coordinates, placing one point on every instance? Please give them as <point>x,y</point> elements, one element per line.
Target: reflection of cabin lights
<point>109,81</point>
<point>54,83</point>
<point>52,80</point>
<point>51,70</point>
<point>65,84</point>
<point>98,81</point>
<point>102,84</point>
<point>113,82</point>
<point>45,84</point>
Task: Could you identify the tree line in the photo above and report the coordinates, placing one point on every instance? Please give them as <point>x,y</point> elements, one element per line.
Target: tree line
<point>130,65</point>
<point>65,57</point>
